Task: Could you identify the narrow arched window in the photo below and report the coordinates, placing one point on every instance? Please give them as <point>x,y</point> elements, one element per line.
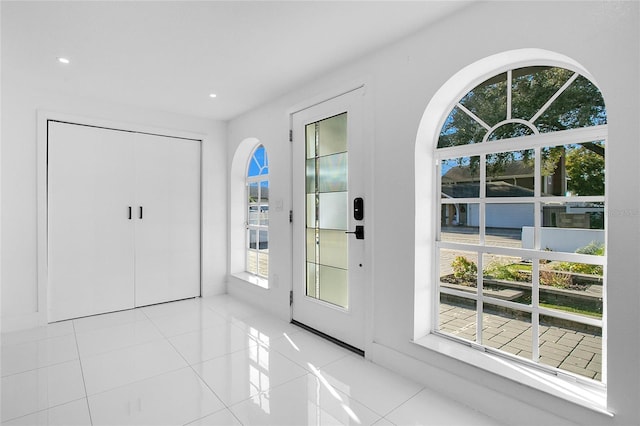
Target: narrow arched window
<point>520,239</point>
<point>257,211</point>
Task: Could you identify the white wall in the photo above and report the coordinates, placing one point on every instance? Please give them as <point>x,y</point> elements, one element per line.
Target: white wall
<point>21,99</point>
<point>601,36</point>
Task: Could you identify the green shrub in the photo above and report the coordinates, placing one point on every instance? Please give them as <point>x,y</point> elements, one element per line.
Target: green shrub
<point>555,279</point>
<point>464,268</point>
<point>507,272</point>
<point>594,248</point>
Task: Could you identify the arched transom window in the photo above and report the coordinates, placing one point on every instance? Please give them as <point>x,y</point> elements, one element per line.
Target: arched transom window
<point>257,246</point>
<point>520,239</point>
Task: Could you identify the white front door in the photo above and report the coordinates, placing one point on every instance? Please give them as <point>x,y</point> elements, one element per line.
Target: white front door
<point>328,262</point>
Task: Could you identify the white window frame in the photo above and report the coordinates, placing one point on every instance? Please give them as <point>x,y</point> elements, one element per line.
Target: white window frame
<point>536,142</point>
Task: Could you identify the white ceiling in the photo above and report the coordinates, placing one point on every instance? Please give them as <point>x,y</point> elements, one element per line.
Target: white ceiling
<point>170,55</point>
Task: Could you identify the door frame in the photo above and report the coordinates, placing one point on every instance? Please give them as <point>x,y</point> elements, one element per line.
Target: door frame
<point>365,85</point>
<point>40,317</point>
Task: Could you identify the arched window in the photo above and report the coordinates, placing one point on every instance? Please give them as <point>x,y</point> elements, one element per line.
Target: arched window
<point>520,223</point>
<point>257,213</point>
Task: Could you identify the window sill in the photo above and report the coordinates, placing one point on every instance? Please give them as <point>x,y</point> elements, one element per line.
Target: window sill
<point>593,397</point>
<point>252,279</point>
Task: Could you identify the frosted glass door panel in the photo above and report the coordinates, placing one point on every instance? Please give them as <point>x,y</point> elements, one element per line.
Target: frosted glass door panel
<point>333,248</point>
<point>90,235</point>
<point>327,209</point>
<point>332,134</point>
<point>168,234</point>
<point>334,208</point>
<point>332,173</point>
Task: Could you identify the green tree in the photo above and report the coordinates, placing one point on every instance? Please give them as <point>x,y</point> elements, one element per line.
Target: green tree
<point>585,170</point>
<point>579,105</point>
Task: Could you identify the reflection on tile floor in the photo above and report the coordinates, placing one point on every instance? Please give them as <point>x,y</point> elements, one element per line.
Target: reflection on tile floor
<point>209,361</point>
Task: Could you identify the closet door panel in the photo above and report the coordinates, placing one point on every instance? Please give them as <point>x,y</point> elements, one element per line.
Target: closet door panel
<point>168,234</point>
<point>90,235</point>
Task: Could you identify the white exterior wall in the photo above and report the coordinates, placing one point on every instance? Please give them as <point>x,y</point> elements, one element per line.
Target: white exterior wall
<point>502,215</point>
<point>401,80</point>
<point>562,239</point>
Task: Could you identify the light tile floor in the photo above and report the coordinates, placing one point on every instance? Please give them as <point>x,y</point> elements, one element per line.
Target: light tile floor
<point>211,361</point>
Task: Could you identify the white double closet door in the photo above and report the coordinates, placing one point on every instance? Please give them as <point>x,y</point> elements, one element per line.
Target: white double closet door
<point>123,220</point>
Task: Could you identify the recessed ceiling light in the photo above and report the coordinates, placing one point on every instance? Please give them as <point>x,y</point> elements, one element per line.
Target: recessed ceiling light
<point>212,95</point>
<point>64,60</point>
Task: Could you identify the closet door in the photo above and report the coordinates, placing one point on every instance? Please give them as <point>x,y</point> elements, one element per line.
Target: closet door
<point>90,235</point>
<point>167,231</point>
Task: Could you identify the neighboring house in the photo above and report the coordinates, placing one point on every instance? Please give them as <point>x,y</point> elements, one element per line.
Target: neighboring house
<point>516,179</point>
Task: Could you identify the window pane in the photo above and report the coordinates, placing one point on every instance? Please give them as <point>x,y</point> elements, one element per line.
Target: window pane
<point>460,223</point>
<point>263,264</point>
<point>571,346</point>
<point>459,270</point>
<point>264,215</point>
<point>510,174</point>
<point>568,227</point>
<point>506,224</point>
<point>332,173</point>
<point>488,100</point>
<point>333,210</point>
<point>254,215</point>
<point>258,165</point>
<point>253,192</point>
<point>312,280</point>
<point>333,247</point>
<point>458,316</point>
<point>506,278</point>
<point>253,238</point>
<point>333,286</point>
<point>332,134</point>
<point>460,177</point>
<point>532,87</point>
<point>311,176</point>
<point>264,191</point>
<point>460,129</point>
<point>507,329</point>
<point>573,170</point>
<point>252,262</point>
<point>311,210</point>
<point>572,287</point>
<point>580,105</point>
<point>312,246</point>
<point>264,240</point>
<point>310,133</point>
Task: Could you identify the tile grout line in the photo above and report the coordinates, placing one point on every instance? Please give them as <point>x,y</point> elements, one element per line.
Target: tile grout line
<point>402,403</point>
<point>202,381</point>
<point>84,384</point>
